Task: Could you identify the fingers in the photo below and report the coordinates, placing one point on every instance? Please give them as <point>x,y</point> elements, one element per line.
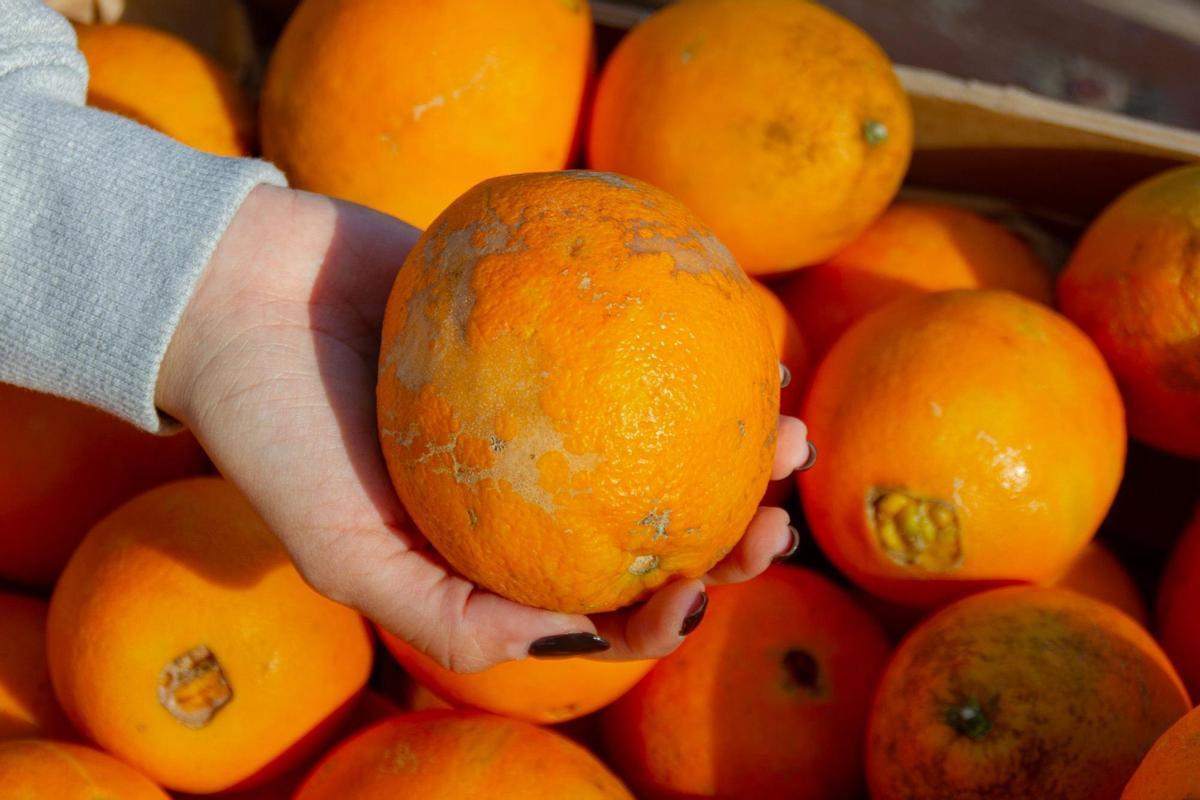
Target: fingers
<point>792,448</point>
<point>655,628</point>
<point>768,537</point>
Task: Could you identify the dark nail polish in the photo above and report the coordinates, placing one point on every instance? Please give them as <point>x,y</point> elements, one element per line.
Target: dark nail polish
<point>791,551</point>
<point>785,376</point>
<point>568,644</point>
<point>811,460</point>
<point>692,620</point>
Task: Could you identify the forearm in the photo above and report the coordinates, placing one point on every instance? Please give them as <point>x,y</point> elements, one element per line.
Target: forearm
<point>104,226</point>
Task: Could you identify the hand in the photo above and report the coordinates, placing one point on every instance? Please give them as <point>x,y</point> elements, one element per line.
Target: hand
<point>273,367</point>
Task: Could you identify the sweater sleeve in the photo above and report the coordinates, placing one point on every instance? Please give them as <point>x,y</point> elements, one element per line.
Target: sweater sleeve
<point>105,226</point>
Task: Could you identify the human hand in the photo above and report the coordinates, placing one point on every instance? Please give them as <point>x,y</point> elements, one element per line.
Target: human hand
<point>273,367</point>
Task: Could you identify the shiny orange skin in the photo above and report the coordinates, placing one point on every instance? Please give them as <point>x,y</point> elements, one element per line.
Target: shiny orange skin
<point>63,466</point>
<point>443,96</point>
<point>1133,285</point>
<point>913,247</point>
<point>1176,609</point>
<point>460,754</point>
<point>793,353</point>
<point>191,564</point>
<point>538,691</point>
<point>28,708</point>
<point>1168,772</point>
<point>767,698</point>
<point>1020,692</point>
<point>982,400</point>
<point>578,390</point>
<point>1097,573</point>
<point>42,768</point>
<point>757,114</point>
<point>162,81</point>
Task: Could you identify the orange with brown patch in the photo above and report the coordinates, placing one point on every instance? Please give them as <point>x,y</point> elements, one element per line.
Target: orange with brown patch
<point>1020,692</point>
<point>578,390</point>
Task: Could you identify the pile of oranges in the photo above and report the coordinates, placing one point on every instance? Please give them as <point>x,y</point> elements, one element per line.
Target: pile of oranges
<point>581,371</point>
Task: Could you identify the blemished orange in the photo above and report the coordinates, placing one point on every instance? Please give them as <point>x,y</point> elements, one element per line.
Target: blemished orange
<point>1097,573</point>
<point>913,247</point>
<point>404,105</point>
<point>539,691</point>
<point>28,707</point>
<point>1168,772</point>
<point>43,768</point>
<point>781,124</point>
<point>968,438</point>
<point>1133,285</point>
<point>768,698</point>
<point>1020,692</point>
<point>460,754</point>
<point>1178,599</point>
<point>160,80</point>
<point>793,354</point>
<point>63,466</point>
<point>182,640</point>
<point>578,390</point>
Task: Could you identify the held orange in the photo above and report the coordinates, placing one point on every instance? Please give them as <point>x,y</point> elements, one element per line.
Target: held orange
<point>162,81</point>
<point>63,466</point>
<point>913,247</point>
<point>182,640</point>
<point>1133,285</point>
<point>460,754</point>
<point>968,438</point>
<point>28,707</point>
<point>1168,772</point>
<point>1020,692</point>
<point>578,390</point>
<point>42,768</point>
<point>403,105</point>
<point>537,691</point>
<point>768,698</point>
<point>781,124</point>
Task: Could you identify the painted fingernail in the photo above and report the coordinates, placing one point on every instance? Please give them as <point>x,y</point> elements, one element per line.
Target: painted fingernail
<point>810,461</point>
<point>785,376</point>
<point>692,620</point>
<point>792,548</point>
<point>568,644</point>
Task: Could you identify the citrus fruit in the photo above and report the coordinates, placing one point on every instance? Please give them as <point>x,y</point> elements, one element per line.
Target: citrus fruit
<point>42,768</point>
<point>1178,596</point>
<point>28,708</point>
<point>578,390</point>
<point>781,124</point>
<point>1168,772</point>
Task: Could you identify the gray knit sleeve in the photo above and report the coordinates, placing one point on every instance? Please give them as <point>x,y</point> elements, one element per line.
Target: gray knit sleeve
<point>105,226</point>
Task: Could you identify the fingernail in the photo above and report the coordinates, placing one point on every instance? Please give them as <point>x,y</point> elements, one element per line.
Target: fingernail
<point>792,548</point>
<point>692,620</point>
<point>568,644</point>
<point>785,376</point>
<point>810,461</point>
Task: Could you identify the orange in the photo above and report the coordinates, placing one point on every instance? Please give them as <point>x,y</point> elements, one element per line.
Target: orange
<point>781,124</point>
<point>1178,599</point>
<point>578,390</point>
<point>460,754</point>
<point>768,698</point>
<point>793,355</point>
<point>537,691</point>
<point>1168,772</point>
<point>162,81</point>
<point>182,640</point>
<point>1097,573</point>
<point>913,247</point>
<point>27,704</point>
<point>63,466</point>
<point>1020,692</point>
<point>967,438</point>
<point>40,768</point>
<point>403,105</point>
<point>1133,284</point>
